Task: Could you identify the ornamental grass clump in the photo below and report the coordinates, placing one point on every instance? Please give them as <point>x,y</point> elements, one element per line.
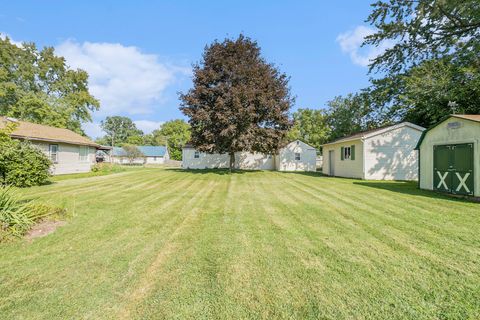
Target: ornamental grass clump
<point>17,216</point>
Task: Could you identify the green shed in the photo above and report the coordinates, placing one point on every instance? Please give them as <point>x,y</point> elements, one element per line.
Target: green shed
<point>449,156</point>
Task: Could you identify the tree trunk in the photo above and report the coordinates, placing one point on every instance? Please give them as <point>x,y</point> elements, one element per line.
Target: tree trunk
<point>232,161</point>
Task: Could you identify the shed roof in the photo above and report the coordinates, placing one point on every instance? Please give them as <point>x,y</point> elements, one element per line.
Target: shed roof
<point>374,132</point>
<point>39,132</point>
<point>148,151</point>
<point>471,117</point>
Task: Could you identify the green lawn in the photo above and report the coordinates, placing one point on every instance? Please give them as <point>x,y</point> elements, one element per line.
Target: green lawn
<point>157,243</point>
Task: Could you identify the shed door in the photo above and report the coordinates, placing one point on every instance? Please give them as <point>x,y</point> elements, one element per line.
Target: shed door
<point>453,168</point>
<point>331,162</point>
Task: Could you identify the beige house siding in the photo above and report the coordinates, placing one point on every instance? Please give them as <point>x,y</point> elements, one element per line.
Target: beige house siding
<point>344,168</point>
<point>68,159</point>
<point>391,155</point>
<point>468,132</point>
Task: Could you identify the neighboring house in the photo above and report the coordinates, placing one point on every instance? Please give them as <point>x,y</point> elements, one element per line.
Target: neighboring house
<point>151,155</point>
<point>381,154</point>
<point>450,156</point>
<point>69,151</point>
<point>295,156</point>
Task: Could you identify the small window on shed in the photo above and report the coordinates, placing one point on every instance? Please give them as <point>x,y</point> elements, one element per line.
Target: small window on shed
<point>347,152</point>
<point>196,155</point>
<point>297,156</point>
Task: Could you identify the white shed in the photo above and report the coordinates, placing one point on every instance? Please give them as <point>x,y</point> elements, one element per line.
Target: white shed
<point>295,156</point>
<point>381,154</point>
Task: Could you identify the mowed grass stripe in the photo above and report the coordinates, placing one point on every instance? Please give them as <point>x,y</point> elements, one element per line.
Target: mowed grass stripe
<point>158,243</point>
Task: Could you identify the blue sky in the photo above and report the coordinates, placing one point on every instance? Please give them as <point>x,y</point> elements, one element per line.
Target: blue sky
<point>139,53</point>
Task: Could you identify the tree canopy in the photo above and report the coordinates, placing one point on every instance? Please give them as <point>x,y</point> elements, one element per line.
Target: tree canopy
<point>424,29</point>
<point>239,102</point>
<point>310,126</point>
<point>174,133</point>
<point>120,130</point>
<point>433,66</point>
<point>38,86</point>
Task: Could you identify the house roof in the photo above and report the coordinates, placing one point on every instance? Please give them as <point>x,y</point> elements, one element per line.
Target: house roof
<point>148,151</point>
<point>471,117</point>
<point>373,132</point>
<point>38,132</point>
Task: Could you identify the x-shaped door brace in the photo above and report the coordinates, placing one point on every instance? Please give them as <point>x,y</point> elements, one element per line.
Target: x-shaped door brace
<point>442,180</point>
<point>463,181</point>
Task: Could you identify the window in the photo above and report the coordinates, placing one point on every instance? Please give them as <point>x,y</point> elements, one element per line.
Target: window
<point>297,156</point>
<point>154,158</point>
<point>196,155</point>
<point>83,153</point>
<point>53,152</point>
<point>348,153</point>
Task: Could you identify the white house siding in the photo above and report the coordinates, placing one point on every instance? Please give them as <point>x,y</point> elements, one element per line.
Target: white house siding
<point>69,158</point>
<point>155,160</point>
<point>254,161</point>
<point>391,155</point>
<point>468,132</point>
<point>344,168</point>
<point>285,161</point>
<point>204,161</point>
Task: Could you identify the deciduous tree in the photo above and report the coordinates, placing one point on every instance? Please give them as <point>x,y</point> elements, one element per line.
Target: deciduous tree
<point>38,86</point>
<point>175,133</point>
<point>119,130</point>
<point>310,126</point>
<point>239,102</point>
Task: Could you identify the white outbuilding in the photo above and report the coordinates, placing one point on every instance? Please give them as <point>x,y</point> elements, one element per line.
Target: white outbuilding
<point>295,156</point>
<point>386,153</point>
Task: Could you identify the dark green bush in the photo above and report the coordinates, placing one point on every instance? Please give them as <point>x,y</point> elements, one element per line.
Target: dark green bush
<point>22,164</point>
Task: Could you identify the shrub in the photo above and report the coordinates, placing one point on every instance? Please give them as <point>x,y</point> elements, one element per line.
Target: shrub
<point>18,216</point>
<point>22,164</point>
<point>105,167</point>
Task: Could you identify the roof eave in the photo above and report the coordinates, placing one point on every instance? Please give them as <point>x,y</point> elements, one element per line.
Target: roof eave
<point>54,140</point>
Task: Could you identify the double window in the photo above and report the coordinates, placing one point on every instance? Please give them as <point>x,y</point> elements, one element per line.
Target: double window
<point>347,153</point>
<point>83,153</point>
<point>53,152</point>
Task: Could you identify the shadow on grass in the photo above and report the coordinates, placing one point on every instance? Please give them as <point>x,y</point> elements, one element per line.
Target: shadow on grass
<point>411,188</point>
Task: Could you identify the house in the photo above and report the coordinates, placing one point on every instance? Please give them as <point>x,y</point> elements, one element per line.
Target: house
<point>69,151</point>
<point>151,155</point>
<point>386,153</point>
<point>450,156</point>
<point>295,156</point>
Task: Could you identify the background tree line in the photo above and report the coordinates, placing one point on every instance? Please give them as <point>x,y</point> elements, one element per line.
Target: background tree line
<point>432,70</point>
<point>241,102</point>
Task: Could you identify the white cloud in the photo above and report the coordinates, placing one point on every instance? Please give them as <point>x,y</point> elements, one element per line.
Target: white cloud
<point>124,79</point>
<point>350,42</point>
<point>4,35</point>
<point>147,126</point>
